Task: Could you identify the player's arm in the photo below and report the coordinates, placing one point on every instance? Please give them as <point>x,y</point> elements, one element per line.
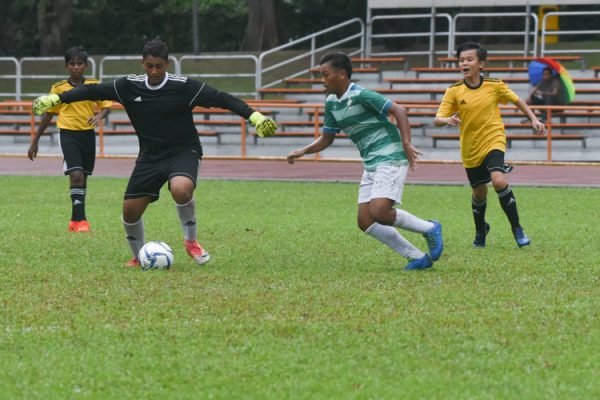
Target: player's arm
<point>320,144</point>
<point>538,127</point>
<point>101,91</point>
<point>401,116</point>
<point>447,114</point>
<point>207,96</point>
<point>44,122</point>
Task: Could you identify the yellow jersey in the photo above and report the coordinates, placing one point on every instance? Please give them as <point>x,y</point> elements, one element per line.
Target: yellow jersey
<point>74,116</point>
<point>481,129</point>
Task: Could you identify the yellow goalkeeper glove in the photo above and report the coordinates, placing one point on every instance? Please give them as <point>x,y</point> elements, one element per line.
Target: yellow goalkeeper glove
<point>265,126</point>
<point>43,103</point>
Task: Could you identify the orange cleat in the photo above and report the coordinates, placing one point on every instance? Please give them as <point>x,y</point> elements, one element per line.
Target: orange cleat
<point>79,226</point>
<point>196,251</point>
<point>133,263</point>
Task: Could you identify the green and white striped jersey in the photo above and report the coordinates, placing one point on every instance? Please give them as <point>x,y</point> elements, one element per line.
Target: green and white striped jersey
<point>362,115</point>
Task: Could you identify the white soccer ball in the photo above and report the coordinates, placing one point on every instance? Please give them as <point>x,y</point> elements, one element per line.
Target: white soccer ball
<point>155,255</point>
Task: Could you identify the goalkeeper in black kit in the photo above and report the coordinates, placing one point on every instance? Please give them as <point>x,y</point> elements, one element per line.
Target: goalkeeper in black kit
<point>159,105</point>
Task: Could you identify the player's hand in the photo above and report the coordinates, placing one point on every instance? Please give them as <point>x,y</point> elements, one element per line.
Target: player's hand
<point>94,120</point>
<point>265,126</point>
<point>294,154</point>
<point>412,154</point>
<point>32,152</point>
<point>43,103</point>
<point>454,120</point>
<point>538,127</point>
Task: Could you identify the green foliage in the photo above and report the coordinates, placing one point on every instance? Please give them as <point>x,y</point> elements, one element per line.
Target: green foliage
<point>297,302</point>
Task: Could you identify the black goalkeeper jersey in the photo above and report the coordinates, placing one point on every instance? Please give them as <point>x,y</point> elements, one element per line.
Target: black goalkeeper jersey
<point>161,115</point>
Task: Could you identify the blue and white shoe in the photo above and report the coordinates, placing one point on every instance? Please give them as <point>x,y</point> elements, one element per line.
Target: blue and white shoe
<point>420,263</point>
<point>435,241</point>
<point>521,237</point>
<point>480,237</point>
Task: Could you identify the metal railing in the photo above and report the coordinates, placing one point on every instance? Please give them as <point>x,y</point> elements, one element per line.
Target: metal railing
<point>16,76</point>
<point>526,35</point>
<point>309,56</point>
<point>546,32</point>
<point>432,34</point>
<point>240,75</point>
<point>173,67</point>
<point>90,73</point>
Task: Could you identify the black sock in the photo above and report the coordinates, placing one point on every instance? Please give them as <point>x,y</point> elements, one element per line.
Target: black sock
<point>478,208</point>
<point>77,203</point>
<point>509,205</point>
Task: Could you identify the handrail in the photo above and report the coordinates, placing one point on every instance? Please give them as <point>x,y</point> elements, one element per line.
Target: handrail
<point>546,32</point>
<point>16,77</point>
<point>260,69</point>
<point>526,38</point>
<point>23,60</point>
<point>219,75</point>
<point>432,34</point>
<point>101,75</point>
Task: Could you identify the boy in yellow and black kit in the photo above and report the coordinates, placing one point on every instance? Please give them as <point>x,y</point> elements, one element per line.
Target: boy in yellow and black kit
<point>472,105</point>
<point>76,123</point>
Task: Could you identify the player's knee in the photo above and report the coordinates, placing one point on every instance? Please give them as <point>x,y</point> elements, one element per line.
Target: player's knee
<point>76,177</point>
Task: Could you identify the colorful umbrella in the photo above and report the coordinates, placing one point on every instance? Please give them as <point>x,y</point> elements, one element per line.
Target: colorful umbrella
<point>536,71</point>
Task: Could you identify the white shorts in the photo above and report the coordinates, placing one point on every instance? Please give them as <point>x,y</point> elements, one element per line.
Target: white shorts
<point>386,182</point>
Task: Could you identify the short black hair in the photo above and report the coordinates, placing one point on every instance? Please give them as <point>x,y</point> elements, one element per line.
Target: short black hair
<point>338,61</point>
<point>156,48</point>
<point>76,53</point>
<point>481,51</point>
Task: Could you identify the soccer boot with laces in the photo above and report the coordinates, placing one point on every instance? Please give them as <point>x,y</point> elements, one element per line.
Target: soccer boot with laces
<point>419,263</point>
<point>79,226</point>
<point>196,251</point>
<point>480,236</point>
<point>521,237</point>
<point>434,241</point>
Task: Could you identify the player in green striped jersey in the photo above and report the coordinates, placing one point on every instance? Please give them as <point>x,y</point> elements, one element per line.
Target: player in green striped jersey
<point>363,115</point>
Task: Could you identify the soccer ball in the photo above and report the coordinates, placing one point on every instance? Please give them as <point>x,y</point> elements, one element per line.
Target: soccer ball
<point>155,255</point>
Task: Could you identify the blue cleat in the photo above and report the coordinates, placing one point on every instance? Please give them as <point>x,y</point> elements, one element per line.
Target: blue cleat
<point>480,237</point>
<point>419,263</point>
<point>434,241</point>
<point>521,238</point>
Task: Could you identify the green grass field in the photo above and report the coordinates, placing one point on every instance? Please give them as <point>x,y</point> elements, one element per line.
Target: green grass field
<point>297,302</point>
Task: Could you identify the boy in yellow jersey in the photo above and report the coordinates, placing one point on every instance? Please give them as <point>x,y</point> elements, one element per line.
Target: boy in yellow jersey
<point>77,137</point>
<point>472,105</point>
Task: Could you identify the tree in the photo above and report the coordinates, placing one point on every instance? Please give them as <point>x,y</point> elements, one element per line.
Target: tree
<point>263,28</point>
<point>54,21</point>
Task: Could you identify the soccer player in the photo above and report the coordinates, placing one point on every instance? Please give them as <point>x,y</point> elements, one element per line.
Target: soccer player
<point>472,105</point>
<point>363,115</point>
<point>77,137</point>
<point>159,105</point>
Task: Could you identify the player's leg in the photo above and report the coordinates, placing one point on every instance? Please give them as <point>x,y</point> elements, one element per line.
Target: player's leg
<point>383,231</point>
<point>508,203</point>
<point>183,175</point>
<point>75,149</point>
<point>389,184</point>
<point>478,179</point>
<point>133,209</point>
<point>142,189</point>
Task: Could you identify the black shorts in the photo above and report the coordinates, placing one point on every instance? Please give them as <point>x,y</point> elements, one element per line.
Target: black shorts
<point>148,177</point>
<point>494,161</point>
<point>79,150</point>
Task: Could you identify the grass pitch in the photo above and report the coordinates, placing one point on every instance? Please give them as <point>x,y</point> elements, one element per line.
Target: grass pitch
<point>296,301</point>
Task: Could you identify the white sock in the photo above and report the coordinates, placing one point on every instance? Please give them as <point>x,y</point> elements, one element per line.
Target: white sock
<point>135,235</point>
<point>412,223</point>
<point>389,236</point>
<point>187,217</point>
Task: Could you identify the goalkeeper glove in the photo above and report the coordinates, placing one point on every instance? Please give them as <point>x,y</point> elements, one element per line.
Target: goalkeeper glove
<point>43,103</point>
<point>265,126</point>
